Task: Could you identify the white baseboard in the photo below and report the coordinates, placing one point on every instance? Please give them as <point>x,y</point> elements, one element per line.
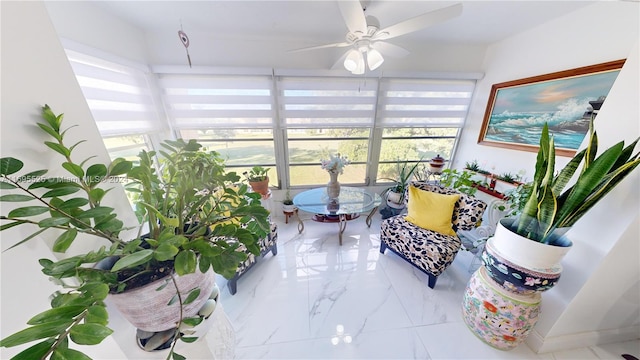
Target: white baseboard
<point>540,344</point>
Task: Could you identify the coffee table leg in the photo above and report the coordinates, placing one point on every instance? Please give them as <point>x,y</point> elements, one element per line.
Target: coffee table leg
<point>370,215</point>
<point>343,225</point>
<point>300,223</point>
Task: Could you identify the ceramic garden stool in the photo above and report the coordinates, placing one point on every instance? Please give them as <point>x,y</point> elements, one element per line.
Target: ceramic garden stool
<point>500,318</point>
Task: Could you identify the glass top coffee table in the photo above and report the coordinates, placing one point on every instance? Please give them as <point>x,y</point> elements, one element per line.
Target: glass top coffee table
<point>348,206</point>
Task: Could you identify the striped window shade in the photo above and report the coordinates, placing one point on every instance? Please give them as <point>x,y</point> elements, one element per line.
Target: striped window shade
<point>423,102</point>
<point>312,102</point>
<point>218,101</point>
<point>118,95</point>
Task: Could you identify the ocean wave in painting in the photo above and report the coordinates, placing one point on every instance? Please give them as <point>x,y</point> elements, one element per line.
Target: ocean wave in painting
<point>566,124</point>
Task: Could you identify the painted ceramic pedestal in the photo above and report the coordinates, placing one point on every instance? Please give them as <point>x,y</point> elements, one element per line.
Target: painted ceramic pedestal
<point>498,317</point>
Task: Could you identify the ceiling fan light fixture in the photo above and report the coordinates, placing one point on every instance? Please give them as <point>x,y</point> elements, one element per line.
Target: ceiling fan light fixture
<point>374,59</point>
<point>360,69</point>
<point>353,60</point>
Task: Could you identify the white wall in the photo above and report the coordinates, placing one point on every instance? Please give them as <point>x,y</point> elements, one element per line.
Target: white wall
<point>598,33</point>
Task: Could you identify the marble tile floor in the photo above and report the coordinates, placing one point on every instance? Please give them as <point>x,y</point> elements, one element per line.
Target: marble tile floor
<point>319,300</point>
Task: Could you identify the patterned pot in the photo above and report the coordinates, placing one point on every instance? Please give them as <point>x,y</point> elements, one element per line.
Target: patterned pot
<point>515,278</point>
<point>146,307</point>
<point>496,316</point>
<point>527,253</point>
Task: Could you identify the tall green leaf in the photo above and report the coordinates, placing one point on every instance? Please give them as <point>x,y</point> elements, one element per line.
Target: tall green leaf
<point>56,314</point>
<point>89,334</point>
<point>60,149</point>
<point>65,240</point>
<point>68,354</point>
<point>589,179</point>
<point>74,169</point>
<point>28,211</point>
<point>185,262</point>
<point>567,172</point>
<point>53,222</point>
<point>119,166</point>
<point>63,191</point>
<point>73,203</point>
<point>37,351</point>
<point>49,130</point>
<point>9,165</point>
<point>40,331</point>
<point>132,260</point>
<point>604,187</point>
<point>96,212</point>
<point>51,118</point>
<point>16,198</point>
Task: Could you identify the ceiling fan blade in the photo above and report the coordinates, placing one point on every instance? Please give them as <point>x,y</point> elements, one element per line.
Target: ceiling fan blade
<point>353,16</point>
<point>390,49</point>
<point>334,45</point>
<point>420,22</point>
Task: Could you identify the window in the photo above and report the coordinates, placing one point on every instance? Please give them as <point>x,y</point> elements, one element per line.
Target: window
<point>127,147</point>
<point>241,148</point>
<point>306,147</point>
<point>413,144</point>
<point>420,119</point>
<point>232,115</point>
<point>277,119</point>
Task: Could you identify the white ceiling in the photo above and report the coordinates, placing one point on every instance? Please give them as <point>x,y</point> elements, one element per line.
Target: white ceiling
<point>311,23</point>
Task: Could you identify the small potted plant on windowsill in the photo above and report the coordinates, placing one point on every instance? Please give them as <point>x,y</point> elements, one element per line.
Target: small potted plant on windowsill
<point>396,192</point>
<point>287,204</point>
<point>258,179</point>
<point>196,222</point>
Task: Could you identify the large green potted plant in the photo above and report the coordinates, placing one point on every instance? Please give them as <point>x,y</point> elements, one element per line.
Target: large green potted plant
<point>551,210</point>
<point>195,219</point>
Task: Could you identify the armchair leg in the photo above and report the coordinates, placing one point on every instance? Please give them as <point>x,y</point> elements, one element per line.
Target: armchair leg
<point>383,247</point>
<point>233,285</point>
<point>432,280</point>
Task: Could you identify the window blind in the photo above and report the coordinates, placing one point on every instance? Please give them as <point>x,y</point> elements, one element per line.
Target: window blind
<point>421,102</point>
<point>326,101</point>
<point>214,101</point>
<point>118,95</point>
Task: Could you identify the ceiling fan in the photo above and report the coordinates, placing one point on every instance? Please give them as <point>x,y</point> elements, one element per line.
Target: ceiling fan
<point>367,40</point>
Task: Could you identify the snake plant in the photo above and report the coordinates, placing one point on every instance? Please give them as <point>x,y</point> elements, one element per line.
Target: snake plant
<point>550,206</point>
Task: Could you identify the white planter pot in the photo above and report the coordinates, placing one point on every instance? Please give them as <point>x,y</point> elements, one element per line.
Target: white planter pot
<point>394,197</point>
<point>288,208</point>
<point>527,253</point>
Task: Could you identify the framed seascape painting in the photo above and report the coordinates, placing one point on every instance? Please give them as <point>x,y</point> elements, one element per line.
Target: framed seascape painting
<point>565,100</point>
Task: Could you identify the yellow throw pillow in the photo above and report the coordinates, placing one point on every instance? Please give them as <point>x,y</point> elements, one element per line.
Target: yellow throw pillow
<point>431,211</point>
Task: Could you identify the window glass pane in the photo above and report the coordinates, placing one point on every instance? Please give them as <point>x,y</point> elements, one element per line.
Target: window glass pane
<point>415,149</point>
<point>241,148</point>
<point>413,144</point>
<point>309,146</point>
<point>413,132</point>
<point>308,175</point>
<point>127,147</point>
